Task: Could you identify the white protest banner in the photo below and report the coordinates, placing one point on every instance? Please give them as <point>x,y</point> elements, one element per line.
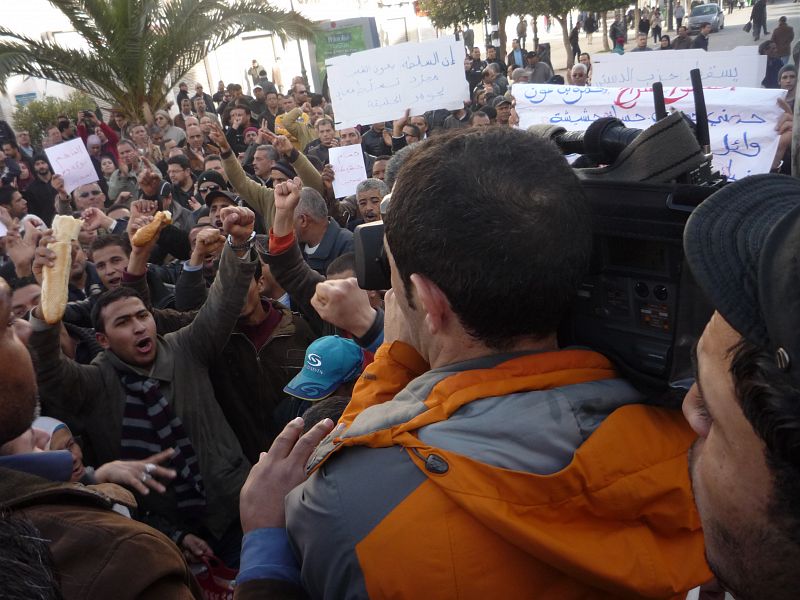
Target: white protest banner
<point>71,161</point>
<point>741,120</point>
<point>741,67</point>
<point>380,84</point>
<point>348,169</point>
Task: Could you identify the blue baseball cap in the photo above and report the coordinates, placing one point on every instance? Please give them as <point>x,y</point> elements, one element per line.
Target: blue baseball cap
<point>330,362</point>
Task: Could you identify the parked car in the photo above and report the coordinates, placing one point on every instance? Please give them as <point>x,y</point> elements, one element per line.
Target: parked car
<point>706,13</point>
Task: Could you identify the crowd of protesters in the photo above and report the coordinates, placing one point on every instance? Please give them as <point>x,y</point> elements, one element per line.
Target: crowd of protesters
<point>472,457</point>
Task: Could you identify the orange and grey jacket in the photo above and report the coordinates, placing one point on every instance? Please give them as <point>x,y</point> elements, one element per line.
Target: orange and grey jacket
<point>518,476</point>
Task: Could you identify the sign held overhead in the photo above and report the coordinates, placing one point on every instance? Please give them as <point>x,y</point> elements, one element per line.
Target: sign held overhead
<point>380,84</point>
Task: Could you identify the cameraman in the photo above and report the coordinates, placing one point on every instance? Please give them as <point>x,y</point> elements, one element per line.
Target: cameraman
<point>478,458</point>
<point>742,247</point>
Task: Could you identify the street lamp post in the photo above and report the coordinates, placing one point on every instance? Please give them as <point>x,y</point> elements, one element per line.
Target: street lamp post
<point>300,51</point>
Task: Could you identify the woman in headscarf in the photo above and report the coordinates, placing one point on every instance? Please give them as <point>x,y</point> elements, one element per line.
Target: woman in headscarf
<point>139,475</point>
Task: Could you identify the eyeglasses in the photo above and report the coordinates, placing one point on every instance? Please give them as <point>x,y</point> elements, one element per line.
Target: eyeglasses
<point>210,188</point>
<point>90,193</point>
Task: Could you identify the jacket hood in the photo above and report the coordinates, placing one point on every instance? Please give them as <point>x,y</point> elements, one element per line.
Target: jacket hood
<point>554,455</point>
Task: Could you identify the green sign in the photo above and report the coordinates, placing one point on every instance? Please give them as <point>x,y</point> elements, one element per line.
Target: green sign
<point>335,38</point>
<point>335,42</point>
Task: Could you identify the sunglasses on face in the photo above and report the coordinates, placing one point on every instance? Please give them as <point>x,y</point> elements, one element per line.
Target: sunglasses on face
<point>90,193</point>
<point>210,188</point>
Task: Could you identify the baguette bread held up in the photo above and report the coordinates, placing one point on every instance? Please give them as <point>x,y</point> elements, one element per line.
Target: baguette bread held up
<point>146,234</point>
<point>55,279</point>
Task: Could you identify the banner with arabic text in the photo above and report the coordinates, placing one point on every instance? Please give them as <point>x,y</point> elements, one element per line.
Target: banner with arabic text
<point>742,121</point>
<point>741,67</point>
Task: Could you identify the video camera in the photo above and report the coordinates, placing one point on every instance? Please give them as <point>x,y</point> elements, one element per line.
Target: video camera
<point>639,304</point>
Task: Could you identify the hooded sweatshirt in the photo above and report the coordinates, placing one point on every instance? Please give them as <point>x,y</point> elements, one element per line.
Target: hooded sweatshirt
<point>518,476</point>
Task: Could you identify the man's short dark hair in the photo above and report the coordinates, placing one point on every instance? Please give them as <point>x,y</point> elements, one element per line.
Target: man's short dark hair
<point>105,299</point>
<point>6,194</point>
<point>180,160</point>
<point>242,103</point>
<point>104,241</point>
<point>316,100</point>
<point>210,157</point>
<point>521,239</point>
<point>414,130</point>
<point>382,157</point>
<point>342,263</point>
<point>331,408</point>
<point>477,113</point>
<point>11,143</point>
<point>770,402</point>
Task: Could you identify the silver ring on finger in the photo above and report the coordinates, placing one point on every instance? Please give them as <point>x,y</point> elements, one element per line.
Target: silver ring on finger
<point>145,476</point>
<point>149,468</point>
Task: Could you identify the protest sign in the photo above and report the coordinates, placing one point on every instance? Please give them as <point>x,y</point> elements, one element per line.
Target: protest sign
<point>348,168</point>
<point>71,161</point>
<point>379,85</point>
<point>741,67</point>
<point>741,121</point>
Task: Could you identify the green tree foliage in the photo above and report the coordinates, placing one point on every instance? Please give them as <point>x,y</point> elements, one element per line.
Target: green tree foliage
<point>603,7</point>
<point>449,13</point>
<point>135,48</point>
<point>38,115</point>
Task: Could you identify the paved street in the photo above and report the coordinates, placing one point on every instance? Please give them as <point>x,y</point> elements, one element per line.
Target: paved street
<point>730,37</point>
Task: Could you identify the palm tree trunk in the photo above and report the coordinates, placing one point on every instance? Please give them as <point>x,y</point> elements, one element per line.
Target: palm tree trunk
<point>605,32</point>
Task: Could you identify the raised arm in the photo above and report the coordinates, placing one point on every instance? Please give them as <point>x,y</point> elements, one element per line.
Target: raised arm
<point>210,330</point>
<point>260,197</point>
<point>66,388</point>
<point>190,289</point>
<point>285,259</point>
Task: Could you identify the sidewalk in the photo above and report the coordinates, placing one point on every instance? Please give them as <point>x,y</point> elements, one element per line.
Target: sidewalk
<point>727,39</point>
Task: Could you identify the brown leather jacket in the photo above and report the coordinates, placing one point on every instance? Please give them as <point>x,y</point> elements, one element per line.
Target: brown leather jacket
<point>98,553</point>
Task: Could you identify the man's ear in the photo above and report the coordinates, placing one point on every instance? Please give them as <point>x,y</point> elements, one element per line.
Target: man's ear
<point>438,311</point>
<point>102,339</point>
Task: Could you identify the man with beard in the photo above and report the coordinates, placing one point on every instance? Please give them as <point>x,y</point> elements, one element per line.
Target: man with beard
<point>180,175</point>
<point>742,247</point>
<point>40,194</point>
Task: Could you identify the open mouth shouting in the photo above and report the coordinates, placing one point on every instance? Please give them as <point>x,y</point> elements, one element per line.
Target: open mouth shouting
<point>144,345</point>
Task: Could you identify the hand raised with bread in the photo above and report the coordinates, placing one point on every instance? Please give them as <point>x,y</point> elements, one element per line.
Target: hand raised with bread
<point>54,266</point>
<point>149,233</point>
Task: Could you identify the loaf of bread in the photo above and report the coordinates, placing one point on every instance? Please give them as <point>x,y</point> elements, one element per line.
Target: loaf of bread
<point>55,279</point>
<point>146,234</point>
